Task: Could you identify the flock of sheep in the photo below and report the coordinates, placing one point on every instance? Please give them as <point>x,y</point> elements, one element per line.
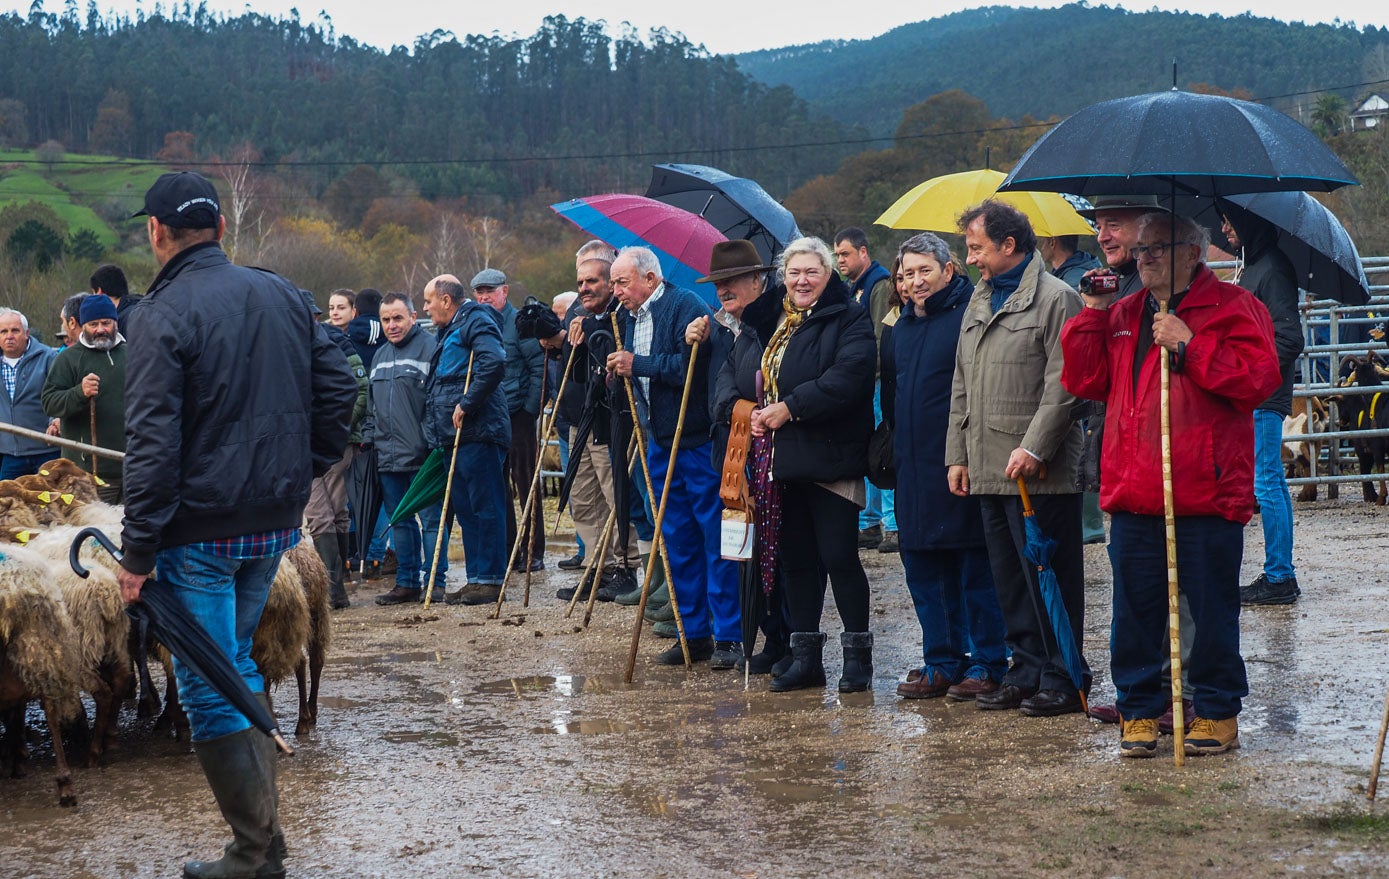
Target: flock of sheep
<point>62,636</point>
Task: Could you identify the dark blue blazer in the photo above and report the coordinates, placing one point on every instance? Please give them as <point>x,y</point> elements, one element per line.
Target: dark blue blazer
<point>666,366</point>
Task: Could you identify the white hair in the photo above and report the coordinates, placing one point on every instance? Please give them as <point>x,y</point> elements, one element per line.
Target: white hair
<point>23,321</point>
<point>1183,229</point>
<point>564,300</point>
<point>643,260</point>
<point>811,245</point>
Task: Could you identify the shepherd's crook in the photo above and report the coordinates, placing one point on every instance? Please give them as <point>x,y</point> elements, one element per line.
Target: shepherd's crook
<point>448,492</point>
<point>1174,619</point>
<point>660,518</point>
<point>523,533</point>
<point>91,406</point>
<point>1379,753</point>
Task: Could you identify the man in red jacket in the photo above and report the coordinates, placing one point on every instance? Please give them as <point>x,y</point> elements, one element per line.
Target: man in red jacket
<point>1223,364</point>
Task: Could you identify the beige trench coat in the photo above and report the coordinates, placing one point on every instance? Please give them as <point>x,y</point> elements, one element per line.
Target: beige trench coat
<point>1007,392</point>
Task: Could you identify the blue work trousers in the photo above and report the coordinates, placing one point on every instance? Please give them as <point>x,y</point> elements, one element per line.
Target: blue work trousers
<point>477,502</point>
<point>704,583</point>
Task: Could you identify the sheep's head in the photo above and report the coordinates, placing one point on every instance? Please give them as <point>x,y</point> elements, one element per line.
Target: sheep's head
<point>66,476</point>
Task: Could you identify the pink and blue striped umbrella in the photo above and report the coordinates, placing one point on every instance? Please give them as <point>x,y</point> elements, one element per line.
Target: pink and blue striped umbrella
<point>682,241</point>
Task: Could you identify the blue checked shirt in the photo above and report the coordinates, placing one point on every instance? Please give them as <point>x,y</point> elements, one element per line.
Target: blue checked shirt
<point>252,546</point>
<point>642,333</point>
<point>11,375</point>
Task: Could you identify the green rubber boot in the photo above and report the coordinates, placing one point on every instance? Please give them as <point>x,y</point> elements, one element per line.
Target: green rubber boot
<point>243,784</point>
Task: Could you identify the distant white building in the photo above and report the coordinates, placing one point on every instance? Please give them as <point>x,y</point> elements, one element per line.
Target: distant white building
<point>1370,114</point>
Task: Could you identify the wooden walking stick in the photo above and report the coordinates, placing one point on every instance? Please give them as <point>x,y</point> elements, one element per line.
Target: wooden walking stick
<point>660,518</point>
<point>546,427</point>
<point>448,492</point>
<point>91,409</point>
<point>1379,753</point>
<point>593,571</point>
<point>658,543</point>
<point>1174,620</point>
<point>612,523</point>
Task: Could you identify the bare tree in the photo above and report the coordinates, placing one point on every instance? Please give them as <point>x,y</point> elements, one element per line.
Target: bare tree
<point>487,238</point>
<point>245,225</point>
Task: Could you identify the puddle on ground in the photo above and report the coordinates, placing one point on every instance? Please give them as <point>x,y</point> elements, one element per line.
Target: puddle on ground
<point>572,726</point>
<point>562,685</point>
<point>437,738</point>
<point>340,702</point>
<point>387,658</point>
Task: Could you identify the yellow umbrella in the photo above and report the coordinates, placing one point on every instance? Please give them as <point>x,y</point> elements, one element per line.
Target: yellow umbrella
<point>935,205</point>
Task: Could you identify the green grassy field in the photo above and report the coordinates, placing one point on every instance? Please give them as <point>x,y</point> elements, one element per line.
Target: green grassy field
<point>82,190</point>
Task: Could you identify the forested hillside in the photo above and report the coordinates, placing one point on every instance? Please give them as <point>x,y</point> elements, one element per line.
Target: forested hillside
<point>569,109</point>
<point>1054,61</point>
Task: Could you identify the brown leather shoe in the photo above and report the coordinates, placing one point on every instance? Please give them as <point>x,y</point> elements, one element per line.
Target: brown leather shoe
<point>1188,715</point>
<point>1005,698</point>
<point>927,686</point>
<point>1104,713</point>
<point>969,689</point>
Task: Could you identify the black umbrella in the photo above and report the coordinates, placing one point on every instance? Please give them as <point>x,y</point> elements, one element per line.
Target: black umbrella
<point>1178,143</point>
<point>736,206</point>
<point>364,497</point>
<point>180,631</point>
<point>1320,249</point>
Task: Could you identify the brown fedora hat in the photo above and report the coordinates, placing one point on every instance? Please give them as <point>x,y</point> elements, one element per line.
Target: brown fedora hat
<point>731,259</point>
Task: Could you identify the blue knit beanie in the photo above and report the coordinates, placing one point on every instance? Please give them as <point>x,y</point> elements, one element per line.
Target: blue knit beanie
<point>96,307</point>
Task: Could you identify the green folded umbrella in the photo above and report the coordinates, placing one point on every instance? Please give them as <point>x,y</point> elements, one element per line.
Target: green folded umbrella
<point>426,489</point>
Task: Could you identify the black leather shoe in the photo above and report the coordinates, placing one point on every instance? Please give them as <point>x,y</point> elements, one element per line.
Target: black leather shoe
<point>1005,698</point>
<point>615,582</point>
<point>398,595</point>
<point>537,564</point>
<point>1051,703</point>
<point>700,651</point>
<point>573,562</point>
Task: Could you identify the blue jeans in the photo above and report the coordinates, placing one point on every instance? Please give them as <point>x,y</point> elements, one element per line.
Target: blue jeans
<point>227,596</point>
<point>879,509</point>
<point>15,466</point>
<point>1271,491</point>
<point>477,499</point>
<point>1209,551</point>
<point>961,622</point>
<point>406,535</point>
<point>563,431</point>
<point>380,536</point>
<point>705,583</point>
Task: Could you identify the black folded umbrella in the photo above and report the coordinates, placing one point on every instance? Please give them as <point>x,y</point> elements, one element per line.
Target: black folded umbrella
<point>180,631</point>
<point>364,497</point>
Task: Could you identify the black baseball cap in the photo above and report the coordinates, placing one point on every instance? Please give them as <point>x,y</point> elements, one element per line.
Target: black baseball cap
<point>183,199</point>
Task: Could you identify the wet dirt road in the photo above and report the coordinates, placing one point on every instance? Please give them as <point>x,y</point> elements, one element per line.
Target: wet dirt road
<point>460,746</point>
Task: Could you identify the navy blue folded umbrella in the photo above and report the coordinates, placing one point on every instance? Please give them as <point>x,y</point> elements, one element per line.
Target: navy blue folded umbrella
<point>1039,549</point>
<point>180,631</point>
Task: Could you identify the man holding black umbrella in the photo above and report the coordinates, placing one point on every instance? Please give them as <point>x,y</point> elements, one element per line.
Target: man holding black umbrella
<point>216,482</point>
<point>1223,364</point>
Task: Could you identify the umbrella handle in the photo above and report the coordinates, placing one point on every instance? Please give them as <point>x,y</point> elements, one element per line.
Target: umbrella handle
<point>75,549</point>
<point>1026,498</point>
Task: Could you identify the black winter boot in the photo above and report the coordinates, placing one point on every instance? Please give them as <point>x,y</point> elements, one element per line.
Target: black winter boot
<point>858,661</point>
<point>807,663</point>
<point>330,550</point>
<point>242,782</point>
<point>764,661</point>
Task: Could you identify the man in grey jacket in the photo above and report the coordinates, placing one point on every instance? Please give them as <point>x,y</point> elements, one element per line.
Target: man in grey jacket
<point>395,427</point>
<point>525,370</point>
<point>24,367</point>
<point>1010,418</point>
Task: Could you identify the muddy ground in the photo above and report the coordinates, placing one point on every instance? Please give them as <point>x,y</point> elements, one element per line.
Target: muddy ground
<point>454,745</point>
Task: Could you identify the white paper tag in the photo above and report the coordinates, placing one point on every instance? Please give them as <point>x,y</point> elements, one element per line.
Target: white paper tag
<point>736,537</point>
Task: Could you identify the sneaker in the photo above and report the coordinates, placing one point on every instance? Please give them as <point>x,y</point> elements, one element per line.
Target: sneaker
<point>1264,591</point>
<point>726,655</point>
<point>475,593</point>
<point>1138,738</point>
<point>869,538</point>
<point>567,593</point>
<point>1212,736</point>
<point>701,649</point>
<point>398,595</point>
<point>889,543</point>
<point>574,562</point>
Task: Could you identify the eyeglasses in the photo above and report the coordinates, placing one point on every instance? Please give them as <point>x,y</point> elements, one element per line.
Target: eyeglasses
<point>1155,251</point>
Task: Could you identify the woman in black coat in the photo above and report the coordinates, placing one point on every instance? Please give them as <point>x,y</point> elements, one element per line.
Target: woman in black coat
<point>942,536</point>
<point>815,349</point>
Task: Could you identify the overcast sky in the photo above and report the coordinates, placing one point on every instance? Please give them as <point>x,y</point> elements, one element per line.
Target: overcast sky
<point>721,25</point>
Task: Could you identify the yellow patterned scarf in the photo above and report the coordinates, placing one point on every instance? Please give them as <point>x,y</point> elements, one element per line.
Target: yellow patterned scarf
<point>776,348</point>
